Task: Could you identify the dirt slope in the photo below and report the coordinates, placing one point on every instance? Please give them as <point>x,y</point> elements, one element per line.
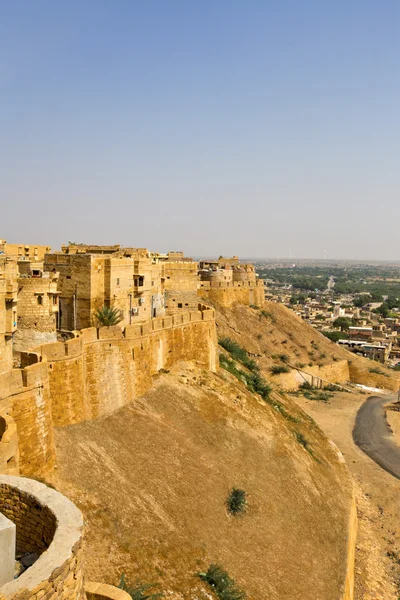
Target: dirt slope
<point>152,480</point>
<point>277,331</point>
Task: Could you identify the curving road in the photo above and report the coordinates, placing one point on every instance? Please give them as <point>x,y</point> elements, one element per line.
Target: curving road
<point>373,435</point>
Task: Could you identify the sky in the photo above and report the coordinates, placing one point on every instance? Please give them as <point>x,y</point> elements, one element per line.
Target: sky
<point>254,127</point>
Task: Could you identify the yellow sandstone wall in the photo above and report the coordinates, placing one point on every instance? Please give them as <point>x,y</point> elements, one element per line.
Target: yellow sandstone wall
<point>351,551</point>
<point>362,375</point>
<point>37,312</point>
<point>94,374</point>
<point>48,524</point>
<point>336,372</point>
<point>237,292</point>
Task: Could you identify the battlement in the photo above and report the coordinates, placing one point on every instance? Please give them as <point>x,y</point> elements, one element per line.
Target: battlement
<point>92,374</point>
<point>231,284</point>
<point>72,348</point>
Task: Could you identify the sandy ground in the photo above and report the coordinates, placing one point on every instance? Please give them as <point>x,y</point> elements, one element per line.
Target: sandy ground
<point>394,422</point>
<point>378,493</point>
<point>152,481</point>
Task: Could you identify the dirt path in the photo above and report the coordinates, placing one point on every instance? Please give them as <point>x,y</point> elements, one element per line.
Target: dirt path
<point>378,496</point>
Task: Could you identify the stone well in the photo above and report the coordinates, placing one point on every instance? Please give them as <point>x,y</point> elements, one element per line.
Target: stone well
<point>49,525</point>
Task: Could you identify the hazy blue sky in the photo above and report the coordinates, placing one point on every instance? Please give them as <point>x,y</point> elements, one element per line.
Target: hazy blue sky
<point>213,126</point>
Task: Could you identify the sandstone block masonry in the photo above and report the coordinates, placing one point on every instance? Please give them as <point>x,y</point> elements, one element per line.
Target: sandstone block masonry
<point>95,373</point>
<point>49,525</point>
<point>37,311</point>
<point>229,293</point>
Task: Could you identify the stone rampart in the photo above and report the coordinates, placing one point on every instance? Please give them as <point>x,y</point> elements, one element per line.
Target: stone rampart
<point>94,374</point>
<point>9,457</point>
<point>49,525</point>
<point>229,293</point>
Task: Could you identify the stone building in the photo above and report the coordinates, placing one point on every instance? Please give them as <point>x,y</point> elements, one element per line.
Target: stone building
<point>229,281</point>
<point>8,309</point>
<point>180,283</point>
<point>95,276</point>
<point>37,310</point>
<point>28,252</point>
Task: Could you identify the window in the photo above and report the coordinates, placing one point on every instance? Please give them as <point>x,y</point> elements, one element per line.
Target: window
<point>40,300</point>
<point>179,304</point>
<point>117,280</point>
<point>68,277</point>
<point>139,281</point>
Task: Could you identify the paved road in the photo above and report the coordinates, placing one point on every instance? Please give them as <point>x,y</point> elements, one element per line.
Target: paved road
<point>373,435</point>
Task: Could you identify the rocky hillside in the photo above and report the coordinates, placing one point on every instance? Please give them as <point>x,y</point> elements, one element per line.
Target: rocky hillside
<point>275,336</point>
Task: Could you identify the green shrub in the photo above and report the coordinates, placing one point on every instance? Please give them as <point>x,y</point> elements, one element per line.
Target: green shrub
<point>330,387</point>
<point>255,383</point>
<point>267,315</point>
<point>306,385</point>
<point>277,369</point>
<point>283,357</point>
<point>236,501</point>
<point>301,439</point>
<point>224,586</point>
<point>377,371</point>
<point>140,590</point>
<point>238,353</point>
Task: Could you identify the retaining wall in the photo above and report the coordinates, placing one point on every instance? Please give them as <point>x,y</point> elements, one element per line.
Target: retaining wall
<point>365,377</point>
<point>336,372</point>
<point>351,551</point>
<point>94,374</point>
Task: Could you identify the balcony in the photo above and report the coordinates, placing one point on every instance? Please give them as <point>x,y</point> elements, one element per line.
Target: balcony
<point>138,283</point>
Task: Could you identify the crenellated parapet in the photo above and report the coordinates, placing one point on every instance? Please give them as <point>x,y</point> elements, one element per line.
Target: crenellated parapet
<point>242,289</point>
<point>95,373</point>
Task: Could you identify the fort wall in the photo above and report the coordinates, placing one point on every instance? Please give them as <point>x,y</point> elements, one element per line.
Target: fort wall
<point>228,293</point>
<point>94,374</point>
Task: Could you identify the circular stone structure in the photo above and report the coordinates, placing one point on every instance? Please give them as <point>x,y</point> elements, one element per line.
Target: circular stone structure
<point>50,526</point>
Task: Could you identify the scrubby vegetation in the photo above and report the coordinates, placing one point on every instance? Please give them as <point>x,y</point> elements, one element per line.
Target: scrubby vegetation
<point>238,353</point>
<point>236,501</point>
<point>267,315</point>
<point>224,586</point>
<point>255,383</point>
<point>312,393</point>
<point>378,371</point>
<point>140,590</point>
<point>277,369</point>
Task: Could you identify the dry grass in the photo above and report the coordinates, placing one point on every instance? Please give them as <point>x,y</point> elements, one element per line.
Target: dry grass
<point>152,480</point>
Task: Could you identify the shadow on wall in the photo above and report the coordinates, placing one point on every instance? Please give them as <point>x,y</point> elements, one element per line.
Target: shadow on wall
<point>94,374</point>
